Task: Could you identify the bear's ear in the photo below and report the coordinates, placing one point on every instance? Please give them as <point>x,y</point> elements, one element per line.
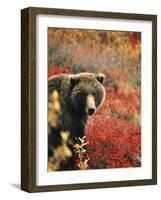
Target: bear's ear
<point>100,77</point>
<point>74,80</point>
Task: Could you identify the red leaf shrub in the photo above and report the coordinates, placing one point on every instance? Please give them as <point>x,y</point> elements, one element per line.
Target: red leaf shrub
<point>57,70</point>
<point>123,105</point>
<point>113,143</point>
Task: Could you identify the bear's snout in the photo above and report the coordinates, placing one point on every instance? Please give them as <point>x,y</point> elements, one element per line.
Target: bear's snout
<point>90,107</point>
<point>91,111</point>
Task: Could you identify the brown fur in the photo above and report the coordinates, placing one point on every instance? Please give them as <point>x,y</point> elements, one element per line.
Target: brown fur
<point>73,90</point>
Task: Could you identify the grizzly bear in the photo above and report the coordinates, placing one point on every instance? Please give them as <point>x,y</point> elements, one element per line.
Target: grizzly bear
<point>80,96</point>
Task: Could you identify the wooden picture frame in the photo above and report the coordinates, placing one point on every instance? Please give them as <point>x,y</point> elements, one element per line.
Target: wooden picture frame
<point>28,98</point>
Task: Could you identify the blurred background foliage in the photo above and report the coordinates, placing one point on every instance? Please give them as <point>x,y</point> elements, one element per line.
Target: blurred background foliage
<point>95,51</point>
<point>114,133</point>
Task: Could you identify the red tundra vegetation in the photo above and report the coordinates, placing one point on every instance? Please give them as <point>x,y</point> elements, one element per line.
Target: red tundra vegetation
<point>113,137</point>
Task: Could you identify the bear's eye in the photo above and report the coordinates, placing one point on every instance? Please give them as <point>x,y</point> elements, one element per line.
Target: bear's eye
<point>94,93</point>
<point>83,94</point>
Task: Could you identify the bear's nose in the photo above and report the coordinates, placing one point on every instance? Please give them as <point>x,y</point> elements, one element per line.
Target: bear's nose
<point>91,111</point>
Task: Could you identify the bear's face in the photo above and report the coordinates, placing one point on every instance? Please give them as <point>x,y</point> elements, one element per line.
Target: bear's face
<point>87,92</point>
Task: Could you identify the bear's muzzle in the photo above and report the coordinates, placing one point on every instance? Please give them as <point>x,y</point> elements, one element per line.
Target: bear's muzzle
<point>90,106</point>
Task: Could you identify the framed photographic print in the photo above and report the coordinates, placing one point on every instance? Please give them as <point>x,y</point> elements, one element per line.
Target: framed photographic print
<point>89,99</point>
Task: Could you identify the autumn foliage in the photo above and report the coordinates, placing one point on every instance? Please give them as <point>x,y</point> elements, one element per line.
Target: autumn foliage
<point>113,137</point>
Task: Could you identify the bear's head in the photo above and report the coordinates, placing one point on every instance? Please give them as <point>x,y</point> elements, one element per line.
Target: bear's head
<point>87,92</point>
